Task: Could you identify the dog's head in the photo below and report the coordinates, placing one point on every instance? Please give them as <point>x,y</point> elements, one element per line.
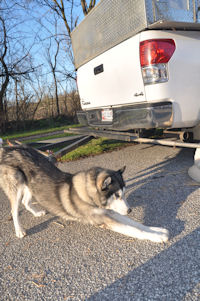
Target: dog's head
<point>111,188</point>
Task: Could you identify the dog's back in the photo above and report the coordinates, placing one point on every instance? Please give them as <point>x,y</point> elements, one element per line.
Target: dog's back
<point>31,168</point>
<point>29,160</point>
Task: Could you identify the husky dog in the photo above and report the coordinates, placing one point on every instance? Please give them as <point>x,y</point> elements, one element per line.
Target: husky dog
<point>95,196</point>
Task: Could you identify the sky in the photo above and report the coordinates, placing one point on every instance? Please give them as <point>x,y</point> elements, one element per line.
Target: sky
<point>38,38</point>
<point>28,36</point>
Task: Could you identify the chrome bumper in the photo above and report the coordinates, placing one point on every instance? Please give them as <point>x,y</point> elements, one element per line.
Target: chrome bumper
<point>138,116</point>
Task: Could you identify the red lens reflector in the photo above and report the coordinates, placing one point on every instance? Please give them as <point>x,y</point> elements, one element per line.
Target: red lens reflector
<point>156,51</point>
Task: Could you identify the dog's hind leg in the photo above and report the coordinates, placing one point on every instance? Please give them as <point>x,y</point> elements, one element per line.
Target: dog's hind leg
<point>20,232</point>
<point>12,182</point>
<point>26,201</point>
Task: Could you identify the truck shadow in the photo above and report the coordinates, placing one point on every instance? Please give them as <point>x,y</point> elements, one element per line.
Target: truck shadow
<point>167,276</point>
<point>161,190</point>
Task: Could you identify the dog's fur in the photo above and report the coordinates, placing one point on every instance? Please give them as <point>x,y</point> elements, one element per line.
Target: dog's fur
<point>95,196</point>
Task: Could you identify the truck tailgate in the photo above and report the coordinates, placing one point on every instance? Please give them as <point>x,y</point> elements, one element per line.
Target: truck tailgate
<point>113,78</point>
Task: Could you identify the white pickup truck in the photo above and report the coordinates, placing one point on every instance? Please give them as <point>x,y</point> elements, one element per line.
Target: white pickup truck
<point>138,65</point>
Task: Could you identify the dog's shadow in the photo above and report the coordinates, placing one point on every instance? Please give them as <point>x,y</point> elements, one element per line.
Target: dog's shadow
<point>40,227</point>
<point>161,190</point>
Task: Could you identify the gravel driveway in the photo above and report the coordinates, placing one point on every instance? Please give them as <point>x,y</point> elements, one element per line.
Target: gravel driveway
<point>70,261</point>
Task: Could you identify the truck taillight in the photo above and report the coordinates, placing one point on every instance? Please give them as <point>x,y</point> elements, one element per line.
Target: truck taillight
<point>154,56</point>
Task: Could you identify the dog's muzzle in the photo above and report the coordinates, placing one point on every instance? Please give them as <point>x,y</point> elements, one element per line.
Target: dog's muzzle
<point>118,205</point>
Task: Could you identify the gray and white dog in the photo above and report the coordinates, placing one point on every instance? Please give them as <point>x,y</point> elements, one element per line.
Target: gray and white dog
<point>95,196</point>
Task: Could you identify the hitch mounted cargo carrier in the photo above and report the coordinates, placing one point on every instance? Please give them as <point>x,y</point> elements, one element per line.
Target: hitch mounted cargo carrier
<point>176,141</point>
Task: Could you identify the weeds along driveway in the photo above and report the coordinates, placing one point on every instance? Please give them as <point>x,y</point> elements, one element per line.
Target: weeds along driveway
<point>68,261</point>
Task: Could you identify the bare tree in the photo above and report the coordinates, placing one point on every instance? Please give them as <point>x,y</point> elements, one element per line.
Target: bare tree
<point>3,69</point>
<point>39,89</point>
<point>23,103</point>
<point>52,62</point>
<point>66,11</point>
<point>16,63</point>
<point>15,59</point>
<point>87,8</point>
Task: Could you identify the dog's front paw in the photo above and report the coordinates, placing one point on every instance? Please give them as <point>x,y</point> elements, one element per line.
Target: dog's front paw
<point>159,235</point>
<point>40,213</point>
<point>20,233</point>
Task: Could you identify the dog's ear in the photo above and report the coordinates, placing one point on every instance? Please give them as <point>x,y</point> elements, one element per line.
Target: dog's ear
<point>103,180</point>
<point>107,181</point>
<point>121,170</point>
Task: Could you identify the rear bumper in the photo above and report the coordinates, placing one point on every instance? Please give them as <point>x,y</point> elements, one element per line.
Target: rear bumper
<point>138,116</point>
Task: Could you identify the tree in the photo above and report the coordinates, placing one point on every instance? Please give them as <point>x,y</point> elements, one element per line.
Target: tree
<point>53,66</point>
<point>17,43</point>
<point>3,70</point>
<point>66,11</point>
<point>63,12</point>
<point>15,58</point>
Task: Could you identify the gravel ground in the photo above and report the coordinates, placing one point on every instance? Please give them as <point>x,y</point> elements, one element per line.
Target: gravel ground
<point>70,261</point>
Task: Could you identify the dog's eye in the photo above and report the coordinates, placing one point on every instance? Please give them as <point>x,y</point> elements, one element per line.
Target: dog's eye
<point>117,195</point>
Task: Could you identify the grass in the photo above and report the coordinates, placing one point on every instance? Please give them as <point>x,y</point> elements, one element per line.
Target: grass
<point>37,132</point>
<point>94,147</point>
